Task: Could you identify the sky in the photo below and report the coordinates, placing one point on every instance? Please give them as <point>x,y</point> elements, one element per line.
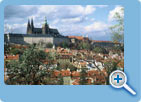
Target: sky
<point>77,20</point>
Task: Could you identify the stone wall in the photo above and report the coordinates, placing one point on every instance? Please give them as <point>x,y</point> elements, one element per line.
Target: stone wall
<point>57,41</point>
<point>33,38</point>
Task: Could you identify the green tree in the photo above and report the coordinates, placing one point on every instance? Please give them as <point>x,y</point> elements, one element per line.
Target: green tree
<point>110,67</point>
<point>60,80</point>
<point>119,49</point>
<point>64,45</point>
<point>27,69</point>
<point>15,51</point>
<point>100,50</point>
<point>7,48</point>
<point>49,45</point>
<point>84,45</point>
<point>51,56</point>
<point>117,30</point>
<point>72,68</point>
<point>83,75</point>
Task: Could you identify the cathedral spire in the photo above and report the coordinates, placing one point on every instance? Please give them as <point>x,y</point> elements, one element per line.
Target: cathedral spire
<point>45,27</point>
<point>32,23</point>
<point>45,21</point>
<point>28,27</point>
<point>28,24</point>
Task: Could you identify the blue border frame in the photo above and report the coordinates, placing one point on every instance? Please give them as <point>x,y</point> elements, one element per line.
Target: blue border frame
<point>98,93</point>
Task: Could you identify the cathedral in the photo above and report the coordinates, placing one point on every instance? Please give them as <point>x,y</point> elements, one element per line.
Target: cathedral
<point>44,30</point>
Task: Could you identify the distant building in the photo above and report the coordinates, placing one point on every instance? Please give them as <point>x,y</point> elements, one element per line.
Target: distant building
<point>104,43</point>
<point>67,80</point>
<point>44,30</point>
<point>77,39</point>
<point>36,35</point>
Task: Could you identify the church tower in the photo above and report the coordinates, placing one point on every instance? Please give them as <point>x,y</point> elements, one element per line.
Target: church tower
<point>45,27</point>
<point>32,25</point>
<point>29,29</point>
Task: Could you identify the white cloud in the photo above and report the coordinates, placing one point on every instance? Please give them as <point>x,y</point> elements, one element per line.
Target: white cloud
<point>17,28</point>
<point>78,10</point>
<point>92,19</point>
<point>19,25</point>
<point>55,21</point>
<point>71,29</point>
<point>72,20</point>
<point>96,26</point>
<point>139,0</point>
<point>89,9</point>
<point>112,13</point>
<point>47,9</point>
<point>68,11</point>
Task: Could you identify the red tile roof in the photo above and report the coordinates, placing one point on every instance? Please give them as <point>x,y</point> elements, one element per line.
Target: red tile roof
<point>121,64</point>
<point>93,73</point>
<point>49,50</point>
<point>65,73</point>
<point>19,46</point>
<point>76,82</point>
<point>77,37</point>
<point>75,74</point>
<point>56,73</point>
<point>83,64</point>
<point>11,57</point>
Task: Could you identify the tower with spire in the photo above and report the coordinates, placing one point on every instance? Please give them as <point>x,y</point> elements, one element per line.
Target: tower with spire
<point>44,30</point>
<point>45,27</point>
<point>29,28</point>
<point>32,24</point>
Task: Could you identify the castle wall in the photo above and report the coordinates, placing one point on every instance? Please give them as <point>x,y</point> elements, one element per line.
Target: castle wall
<point>57,41</point>
<point>33,38</point>
<point>103,44</point>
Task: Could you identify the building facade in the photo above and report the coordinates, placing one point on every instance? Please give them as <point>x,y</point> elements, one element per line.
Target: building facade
<point>25,39</point>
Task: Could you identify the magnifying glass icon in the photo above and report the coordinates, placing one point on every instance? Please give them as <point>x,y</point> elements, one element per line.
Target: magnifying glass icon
<point>118,79</point>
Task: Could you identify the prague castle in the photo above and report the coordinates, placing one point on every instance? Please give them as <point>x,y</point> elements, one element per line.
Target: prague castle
<point>44,34</point>
<point>44,30</point>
